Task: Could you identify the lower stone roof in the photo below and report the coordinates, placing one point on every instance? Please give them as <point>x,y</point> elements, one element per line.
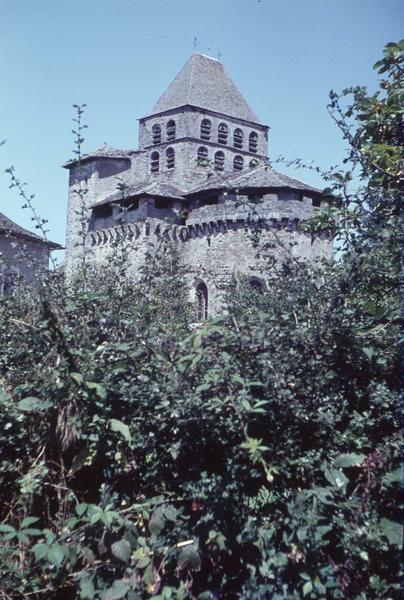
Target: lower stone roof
<point>155,188</point>
<point>260,177</point>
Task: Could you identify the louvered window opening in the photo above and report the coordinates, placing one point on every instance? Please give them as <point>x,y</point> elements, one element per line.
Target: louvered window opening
<point>238,138</point>
<point>238,163</point>
<point>155,162</point>
<point>253,142</point>
<point>170,158</point>
<point>202,156</point>
<point>202,300</point>
<point>219,161</point>
<point>222,134</point>
<point>156,134</point>
<point>206,129</point>
<point>171,131</point>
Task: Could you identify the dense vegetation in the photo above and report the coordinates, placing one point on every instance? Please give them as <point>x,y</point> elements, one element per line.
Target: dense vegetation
<point>251,456</point>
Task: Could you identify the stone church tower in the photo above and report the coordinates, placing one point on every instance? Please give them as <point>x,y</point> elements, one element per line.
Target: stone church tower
<point>199,178</point>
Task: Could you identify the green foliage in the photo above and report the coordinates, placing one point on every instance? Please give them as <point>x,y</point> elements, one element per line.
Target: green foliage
<point>254,456</point>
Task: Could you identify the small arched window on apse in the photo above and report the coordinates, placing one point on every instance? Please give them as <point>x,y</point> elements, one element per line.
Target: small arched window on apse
<point>238,138</point>
<point>253,142</point>
<point>171,130</point>
<point>222,133</point>
<point>238,163</point>
<point>170,158</point>
<point>257,285</point>
<point>202,156</point>
<point>154,162</point>
<point>156,134</point>
<point>219,160</point>
<point>202,300</point>
<point>206,129</point>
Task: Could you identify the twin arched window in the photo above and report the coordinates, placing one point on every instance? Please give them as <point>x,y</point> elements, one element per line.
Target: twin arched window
<point>253,142</point>
<point>202,300</point>
<point>219,161</point>
<point>155,160</point>
<point>238,163</point>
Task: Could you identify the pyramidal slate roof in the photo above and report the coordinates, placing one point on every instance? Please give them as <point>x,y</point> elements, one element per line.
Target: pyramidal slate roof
<point>203,82</point>
<point>260,177</point>
<point>8,226</point>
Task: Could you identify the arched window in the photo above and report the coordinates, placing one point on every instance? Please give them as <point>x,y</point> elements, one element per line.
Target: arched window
<point>206,129</point>
<point>202,156</point>
<point>253,142</point>
<point>238,163</point>
<point>257,285</point>
<point>219,161</point>
<point>170,131</point>
<point>156,134</point>
<point>170,158</point>
<point>238,138</point>
<point>202,300</point>
<point>222,133</point>
<point>154,162</point>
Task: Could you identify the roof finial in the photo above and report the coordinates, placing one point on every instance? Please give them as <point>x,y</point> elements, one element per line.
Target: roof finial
<point>195,43</point>
<point>219,55</point>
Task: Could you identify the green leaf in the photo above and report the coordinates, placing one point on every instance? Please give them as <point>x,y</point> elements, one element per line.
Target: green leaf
<point>189,558</point>
<point>99,389</point>
<point>121,550</point>
<point>77,377</point>
<point>87,590</point>
<point>349,460</point>
<point>336,477</point>
<point>28,521</point>
<point>156,523</point>
<point>56,554</point>
<point>40,551</point>
<point>121,428</point>
<point>118,590</point>
<point>5,528</point>
<point>307,588</point>
<point>393,532</point>
<point>31,403</point>
<point>170,513</point>
<point>33,532</point>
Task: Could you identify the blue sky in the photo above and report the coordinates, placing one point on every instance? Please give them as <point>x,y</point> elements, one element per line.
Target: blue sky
<point>118,56</point>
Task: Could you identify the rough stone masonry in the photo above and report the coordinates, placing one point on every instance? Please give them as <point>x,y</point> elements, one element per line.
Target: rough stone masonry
<point>201,179</point>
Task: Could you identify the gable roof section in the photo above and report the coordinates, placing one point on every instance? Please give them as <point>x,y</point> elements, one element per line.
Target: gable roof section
<point>261,177</point>
<point>203,82</point>
<point>103,151</point>
<point>8,226</point>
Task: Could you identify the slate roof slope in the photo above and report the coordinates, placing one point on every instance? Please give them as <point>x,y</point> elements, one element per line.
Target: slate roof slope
<point>203,82</point>
<point>262,177</point>
<point>103,151</point>
<point>156,189</point>
<point>9,227</point>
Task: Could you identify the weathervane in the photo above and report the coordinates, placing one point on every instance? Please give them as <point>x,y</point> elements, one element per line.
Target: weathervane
<point>195,43</point>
